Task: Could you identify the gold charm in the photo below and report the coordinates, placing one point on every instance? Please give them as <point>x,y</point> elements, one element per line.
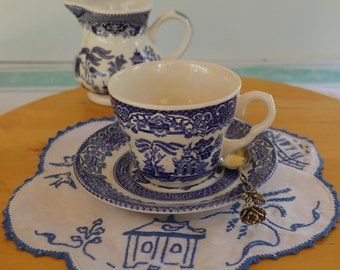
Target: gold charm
<point>251,213</point>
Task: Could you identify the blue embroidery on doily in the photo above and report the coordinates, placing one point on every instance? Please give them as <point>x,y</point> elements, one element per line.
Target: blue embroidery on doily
<point>86,236</point>
<point>7,222</point>
<point>62,178</point>
<point>290,153</point>
<point>110,265</point>
<point>274,198</point>
<point>68,162</point>
<point>167,242</point>
<point>271,202</point>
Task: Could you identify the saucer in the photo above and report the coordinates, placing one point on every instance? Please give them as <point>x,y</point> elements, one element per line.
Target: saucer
<point>104,167</point>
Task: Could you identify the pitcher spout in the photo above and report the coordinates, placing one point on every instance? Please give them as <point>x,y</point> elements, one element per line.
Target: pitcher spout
<point>107,6</point>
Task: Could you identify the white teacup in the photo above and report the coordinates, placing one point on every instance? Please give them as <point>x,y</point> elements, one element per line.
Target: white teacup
<point>176,113</point>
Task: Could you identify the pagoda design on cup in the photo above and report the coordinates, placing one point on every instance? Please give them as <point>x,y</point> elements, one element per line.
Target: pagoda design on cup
<point>169,161</point>
<point>115,35</point>
<point>160,243</point>
<point>189,163</point>
<point>176,113</point>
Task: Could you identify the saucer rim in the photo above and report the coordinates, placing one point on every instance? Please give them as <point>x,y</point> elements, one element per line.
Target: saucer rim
<point>178,207</point>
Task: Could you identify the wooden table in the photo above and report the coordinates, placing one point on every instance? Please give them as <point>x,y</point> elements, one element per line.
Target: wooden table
<point>26,130</point>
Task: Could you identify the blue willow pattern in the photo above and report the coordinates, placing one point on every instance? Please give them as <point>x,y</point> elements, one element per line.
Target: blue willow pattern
<point>190,161</point>
<point>190,123</point>
<point>125,25</point>
<point>151,243</point>
<point>95,65</point>
<point>95,154</point>
<point>88,60</point>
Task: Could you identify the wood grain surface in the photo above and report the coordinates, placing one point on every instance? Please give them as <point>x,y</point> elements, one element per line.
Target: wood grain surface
<point>24,132</point>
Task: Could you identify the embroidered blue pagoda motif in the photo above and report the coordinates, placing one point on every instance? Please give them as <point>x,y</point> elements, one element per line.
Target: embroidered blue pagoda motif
<point>161,243</point>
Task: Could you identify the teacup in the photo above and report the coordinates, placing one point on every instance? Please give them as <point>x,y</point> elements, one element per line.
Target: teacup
<point>176,113</point>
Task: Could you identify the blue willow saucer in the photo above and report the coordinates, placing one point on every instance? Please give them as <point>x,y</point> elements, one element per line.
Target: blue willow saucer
<point>104,167</point>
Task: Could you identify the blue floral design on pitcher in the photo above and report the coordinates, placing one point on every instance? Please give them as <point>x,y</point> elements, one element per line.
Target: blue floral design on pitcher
<point>89,63</point>
<point>125,25</point>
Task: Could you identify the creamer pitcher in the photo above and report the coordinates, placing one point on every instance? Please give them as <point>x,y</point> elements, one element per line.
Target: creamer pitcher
<point>115,35</point>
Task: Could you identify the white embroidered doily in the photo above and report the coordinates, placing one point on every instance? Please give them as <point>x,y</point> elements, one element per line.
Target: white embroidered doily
<point>52,214</point>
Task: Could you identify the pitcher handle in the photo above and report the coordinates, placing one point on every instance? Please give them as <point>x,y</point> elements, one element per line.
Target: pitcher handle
<point>173,15</point>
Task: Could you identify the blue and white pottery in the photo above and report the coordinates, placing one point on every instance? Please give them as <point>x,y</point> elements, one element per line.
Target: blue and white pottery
<point>104,166</point>
<point>175,114</point>
<point>115,35</point>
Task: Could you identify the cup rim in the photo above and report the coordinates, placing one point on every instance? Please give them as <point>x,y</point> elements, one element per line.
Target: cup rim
<point>123,72</point>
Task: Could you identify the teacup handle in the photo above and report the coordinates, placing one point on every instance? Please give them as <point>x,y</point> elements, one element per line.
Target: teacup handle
<point>173,15</point>
<point>230,145</point>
